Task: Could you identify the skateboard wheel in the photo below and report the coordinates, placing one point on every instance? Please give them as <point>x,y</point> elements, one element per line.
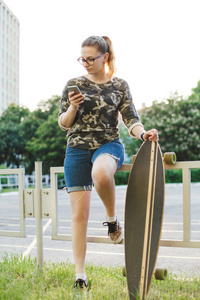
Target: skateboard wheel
<point>170,158</point>
<point>161,274</point>
<point>133,158</point>
<point>124,271</point>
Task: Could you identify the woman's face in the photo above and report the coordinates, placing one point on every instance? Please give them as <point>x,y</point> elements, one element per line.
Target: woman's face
<point>99,63</point>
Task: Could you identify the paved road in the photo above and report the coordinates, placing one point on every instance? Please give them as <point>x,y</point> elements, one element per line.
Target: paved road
<point>185,261</point>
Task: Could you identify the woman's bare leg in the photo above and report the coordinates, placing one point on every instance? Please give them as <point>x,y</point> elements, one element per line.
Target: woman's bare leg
<point>80,207</point>
<point>103,172</point>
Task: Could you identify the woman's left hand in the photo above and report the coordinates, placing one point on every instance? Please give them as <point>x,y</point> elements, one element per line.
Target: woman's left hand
<point>152,135</point>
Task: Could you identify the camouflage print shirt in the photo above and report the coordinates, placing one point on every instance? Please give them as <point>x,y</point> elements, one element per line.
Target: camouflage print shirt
<point>96,121</point>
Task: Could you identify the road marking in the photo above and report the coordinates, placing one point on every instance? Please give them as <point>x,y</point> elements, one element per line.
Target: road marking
<point>179,257</point>
<point>15,225</point>
<point>13,246</point>
<point>89,228</point>
<point>88,252</point>
<point>33,235</point>
<point>32,245</point>
<point>5,218</point>
<point>195,231</point>
<point>95,228</point>
<point>193,222</point>
<point>90,221</point>
<point>103,253</point>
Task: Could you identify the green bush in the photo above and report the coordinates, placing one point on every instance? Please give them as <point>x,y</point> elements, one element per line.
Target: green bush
<point>173,176</point>
<point>121,178</point>
<point>195,175</point>
<point>4,180</point>
<point>61,180</point>
<point>60,176</point>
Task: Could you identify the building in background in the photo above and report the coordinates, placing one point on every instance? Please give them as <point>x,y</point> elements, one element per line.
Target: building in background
<point>9,58</point>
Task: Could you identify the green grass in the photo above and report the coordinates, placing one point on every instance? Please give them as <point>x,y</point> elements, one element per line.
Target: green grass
<point>20,279</point>
<point>8,190</point>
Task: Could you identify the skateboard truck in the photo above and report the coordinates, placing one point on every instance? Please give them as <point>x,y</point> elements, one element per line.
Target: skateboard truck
<point>169,158</point>
<point>160,274</point>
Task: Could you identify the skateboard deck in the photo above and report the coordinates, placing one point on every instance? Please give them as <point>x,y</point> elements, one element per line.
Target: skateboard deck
<point>143,218</point>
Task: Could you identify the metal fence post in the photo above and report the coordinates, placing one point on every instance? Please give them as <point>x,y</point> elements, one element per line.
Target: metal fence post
<point>38,212</point>
<point>186,204</point>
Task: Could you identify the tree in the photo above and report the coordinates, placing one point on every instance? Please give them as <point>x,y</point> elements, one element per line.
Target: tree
<point>19,126</point>
<point>177,121</point>
<point>33,128</point>
<point>29,136</point>
<point>195,92</point>
<point>28,129</point>
<point>47,107</point>
<point>49,143</point>
<point>12,145</point>
<point>131,145</point>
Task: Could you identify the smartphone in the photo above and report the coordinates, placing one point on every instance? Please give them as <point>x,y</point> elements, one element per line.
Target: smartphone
<point>74,88</point>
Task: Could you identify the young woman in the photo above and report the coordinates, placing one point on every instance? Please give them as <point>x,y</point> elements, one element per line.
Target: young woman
<point>94,152</point>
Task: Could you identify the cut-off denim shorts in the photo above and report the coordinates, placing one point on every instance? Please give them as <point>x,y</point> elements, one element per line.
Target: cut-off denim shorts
<point>78,164</point>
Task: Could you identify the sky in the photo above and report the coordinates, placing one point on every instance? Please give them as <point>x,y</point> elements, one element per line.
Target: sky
<point>156,44</point>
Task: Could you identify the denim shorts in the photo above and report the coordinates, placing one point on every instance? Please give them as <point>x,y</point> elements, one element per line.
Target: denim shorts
<point>78,164</point>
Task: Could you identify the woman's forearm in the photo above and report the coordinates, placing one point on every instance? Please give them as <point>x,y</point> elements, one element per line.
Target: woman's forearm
<point>137,131</point>
<point>67,118</point>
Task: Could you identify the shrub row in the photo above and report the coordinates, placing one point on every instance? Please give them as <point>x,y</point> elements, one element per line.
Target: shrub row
<point>171,176</point>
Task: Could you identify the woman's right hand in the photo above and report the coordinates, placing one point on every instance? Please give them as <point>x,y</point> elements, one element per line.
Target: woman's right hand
<point>75,99</point>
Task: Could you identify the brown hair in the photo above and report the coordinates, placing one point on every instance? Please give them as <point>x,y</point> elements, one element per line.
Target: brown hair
<point>103,45</point>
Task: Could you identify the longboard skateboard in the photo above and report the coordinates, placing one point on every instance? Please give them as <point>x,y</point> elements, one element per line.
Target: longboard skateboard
<point>143,218</point>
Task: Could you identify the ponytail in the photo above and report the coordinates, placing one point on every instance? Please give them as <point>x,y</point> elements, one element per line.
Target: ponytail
<point>103,44</point>
<point>111,58</point>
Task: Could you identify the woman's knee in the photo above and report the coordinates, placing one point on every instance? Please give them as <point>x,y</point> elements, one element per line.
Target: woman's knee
<point>80,205</point>
<point>80,216</point>
<point>99,175</point>
<point>102,174</point>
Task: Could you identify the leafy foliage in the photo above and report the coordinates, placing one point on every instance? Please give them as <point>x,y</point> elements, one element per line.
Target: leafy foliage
<point>177,121</point>
<point>195,92</point>
<point>29,136</point>
<point>178,124</point>
<point>48,144</point>
<point>131,145</point>
<point>12,140</point>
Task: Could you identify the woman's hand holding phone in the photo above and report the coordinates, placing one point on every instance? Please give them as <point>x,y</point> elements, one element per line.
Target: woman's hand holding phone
<point>75,97</point>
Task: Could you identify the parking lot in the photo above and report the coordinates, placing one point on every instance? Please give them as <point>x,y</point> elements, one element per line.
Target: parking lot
<point>184,261</point>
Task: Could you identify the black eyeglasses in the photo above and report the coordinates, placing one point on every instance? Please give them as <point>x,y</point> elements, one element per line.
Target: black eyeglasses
<point>89,61</point>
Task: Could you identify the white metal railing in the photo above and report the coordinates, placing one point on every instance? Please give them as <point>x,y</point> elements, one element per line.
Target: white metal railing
<point>186,178</point>
<point>186,167</point>
<point>43,203</point>
<point>11,180</point>
<point>20,182</point>
<point>30,180</point>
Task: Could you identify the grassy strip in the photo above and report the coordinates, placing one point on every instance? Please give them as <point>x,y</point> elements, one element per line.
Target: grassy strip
<point>20,279</point>
<point>8,190</point>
